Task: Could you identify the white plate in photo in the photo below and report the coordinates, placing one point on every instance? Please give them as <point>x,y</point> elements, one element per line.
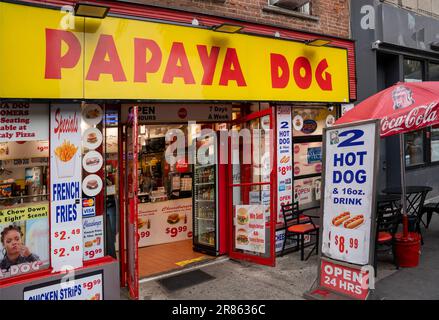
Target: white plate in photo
<point>92,114</point>
<point>92,185</point>
<point>330,120</point>
<point>92,161</point>
<point>92,138</point>
<point>298,122</point>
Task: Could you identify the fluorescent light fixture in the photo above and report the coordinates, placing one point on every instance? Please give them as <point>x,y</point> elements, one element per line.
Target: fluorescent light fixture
<point>227,28</point>
<point>83,9</point>
<point>317,42</point>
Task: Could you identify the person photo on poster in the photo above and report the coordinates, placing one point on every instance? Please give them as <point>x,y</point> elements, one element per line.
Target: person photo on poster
<point>14,250</point>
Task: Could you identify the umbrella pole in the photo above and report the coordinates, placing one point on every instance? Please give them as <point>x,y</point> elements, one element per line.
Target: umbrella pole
<point>403,193</point>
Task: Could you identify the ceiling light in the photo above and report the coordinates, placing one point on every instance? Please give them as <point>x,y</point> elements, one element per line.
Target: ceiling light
<point>83,9</point>
<point>227,28</point>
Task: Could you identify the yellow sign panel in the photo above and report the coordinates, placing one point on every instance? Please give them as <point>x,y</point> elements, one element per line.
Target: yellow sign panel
<point>44,54</point>
<point>16,214</point>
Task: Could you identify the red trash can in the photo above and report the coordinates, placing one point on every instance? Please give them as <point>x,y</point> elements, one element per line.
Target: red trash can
<point>408,250</point>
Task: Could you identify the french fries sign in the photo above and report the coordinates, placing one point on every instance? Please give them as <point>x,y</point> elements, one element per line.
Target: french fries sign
<point>349,193</point>
<point>65,181</point>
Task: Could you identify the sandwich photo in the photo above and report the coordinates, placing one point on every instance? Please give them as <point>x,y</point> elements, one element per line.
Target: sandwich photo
<point>92,161</point>
<point>92,184</point>
<point>242,216</point>
<point>173,218</point>
<point>92,113</point>
<point>88,244</point>
<point>242,237</point>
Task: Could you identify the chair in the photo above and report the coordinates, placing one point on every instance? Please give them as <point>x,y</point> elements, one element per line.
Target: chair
<point>297,226</point>
<point>429,209</point>
<point>388,219</point>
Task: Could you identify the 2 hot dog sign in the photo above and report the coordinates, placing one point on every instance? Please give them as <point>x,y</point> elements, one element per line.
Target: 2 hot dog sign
<point>349,192</point>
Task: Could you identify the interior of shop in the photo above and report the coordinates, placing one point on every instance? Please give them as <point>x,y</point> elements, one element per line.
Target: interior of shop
<point>178,222</point>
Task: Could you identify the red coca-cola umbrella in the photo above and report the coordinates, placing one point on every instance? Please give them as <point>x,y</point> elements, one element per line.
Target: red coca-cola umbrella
<point>401,108</point>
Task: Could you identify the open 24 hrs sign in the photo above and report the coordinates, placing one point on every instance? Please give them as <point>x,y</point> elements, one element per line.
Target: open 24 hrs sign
<point>349,188</point>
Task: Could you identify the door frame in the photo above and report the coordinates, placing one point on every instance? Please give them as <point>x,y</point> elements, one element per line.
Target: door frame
<point>271,260</point>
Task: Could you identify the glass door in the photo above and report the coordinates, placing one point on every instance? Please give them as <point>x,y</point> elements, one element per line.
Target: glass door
<point>252,174</point>
<point>131,204</point>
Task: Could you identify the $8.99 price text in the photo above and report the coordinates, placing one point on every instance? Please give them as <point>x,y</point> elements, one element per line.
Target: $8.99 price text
<point>344,244</point>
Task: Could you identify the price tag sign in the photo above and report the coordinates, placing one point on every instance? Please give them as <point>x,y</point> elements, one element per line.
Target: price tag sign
<point>349,192</point>
<point>351,161</point>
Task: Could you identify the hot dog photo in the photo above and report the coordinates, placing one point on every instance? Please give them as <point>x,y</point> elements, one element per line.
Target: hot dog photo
<point>347,220</point>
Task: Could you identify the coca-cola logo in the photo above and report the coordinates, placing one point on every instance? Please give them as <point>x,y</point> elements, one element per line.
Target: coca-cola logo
<point>65,124</point>
<point>402,98</point>
<point>418,117</point>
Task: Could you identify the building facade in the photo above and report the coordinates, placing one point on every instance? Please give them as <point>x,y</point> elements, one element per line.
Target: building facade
<point>397,41</point>
<point>103,93</point>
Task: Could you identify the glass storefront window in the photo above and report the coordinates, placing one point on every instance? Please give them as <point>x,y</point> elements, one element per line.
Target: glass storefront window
<point>435,144</point>
<point>413,71</point>
<point>414,148</point>
<point>311,121</point>
<point>433,72</point>
<point>307,158</point>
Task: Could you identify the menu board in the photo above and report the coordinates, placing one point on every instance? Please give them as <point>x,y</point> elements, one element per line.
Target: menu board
<point>250,227</point>
<point>165,222</point>
<point>22,121</point>
<point>83,287</point>
<point>65,182</point>
<point>284,159</point>
<point>307,158</point>
<point>311,121</point>
<point>93,229</point>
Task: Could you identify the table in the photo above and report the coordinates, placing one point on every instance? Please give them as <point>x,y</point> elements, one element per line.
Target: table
<point>388,200</point>
<point>415,197</point>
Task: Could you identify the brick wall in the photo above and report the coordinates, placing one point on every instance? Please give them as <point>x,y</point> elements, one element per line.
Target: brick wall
<point>333,15</point>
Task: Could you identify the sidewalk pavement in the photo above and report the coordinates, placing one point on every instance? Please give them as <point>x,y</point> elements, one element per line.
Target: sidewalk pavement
<point>235,280</point>
<point>419,283</point>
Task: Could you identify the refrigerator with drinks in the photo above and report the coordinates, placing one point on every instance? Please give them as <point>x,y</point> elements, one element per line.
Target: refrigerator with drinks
<point>209,201</point>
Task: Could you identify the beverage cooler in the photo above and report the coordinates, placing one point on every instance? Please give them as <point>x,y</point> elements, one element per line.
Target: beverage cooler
<point>209,201</point>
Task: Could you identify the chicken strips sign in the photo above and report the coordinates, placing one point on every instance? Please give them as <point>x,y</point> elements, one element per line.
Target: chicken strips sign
<point>131,59</point>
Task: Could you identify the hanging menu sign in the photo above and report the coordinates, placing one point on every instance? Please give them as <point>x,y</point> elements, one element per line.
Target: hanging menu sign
<point>149,113</point>
<point>65,181</point>
<point>284,160</point>
<point>21,121</point>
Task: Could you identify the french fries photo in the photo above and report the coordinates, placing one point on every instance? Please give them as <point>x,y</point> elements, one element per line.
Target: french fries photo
<point>66,151</point>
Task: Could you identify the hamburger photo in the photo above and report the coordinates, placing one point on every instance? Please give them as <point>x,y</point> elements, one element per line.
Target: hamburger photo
<point>92,138</point>
<point>173,218</point>
<point>92,184</point>
<point>242,216</point>
<point>242,237</point>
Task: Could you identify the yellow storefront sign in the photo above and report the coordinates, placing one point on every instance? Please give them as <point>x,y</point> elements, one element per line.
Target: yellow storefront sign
<point>42,56</point>
<point>17,214</point>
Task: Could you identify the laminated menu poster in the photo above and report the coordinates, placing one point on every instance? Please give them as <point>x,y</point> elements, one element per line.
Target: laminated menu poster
<point>24,243</point>
<point>83,287</point>
<point>349,192</point>
<point>93,229</point>
<point>66,191</point>
<point>250,228</point>
<point>164,222</point>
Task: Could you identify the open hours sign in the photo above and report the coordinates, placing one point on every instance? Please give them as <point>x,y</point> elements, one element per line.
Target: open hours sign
<point>350,166</point>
